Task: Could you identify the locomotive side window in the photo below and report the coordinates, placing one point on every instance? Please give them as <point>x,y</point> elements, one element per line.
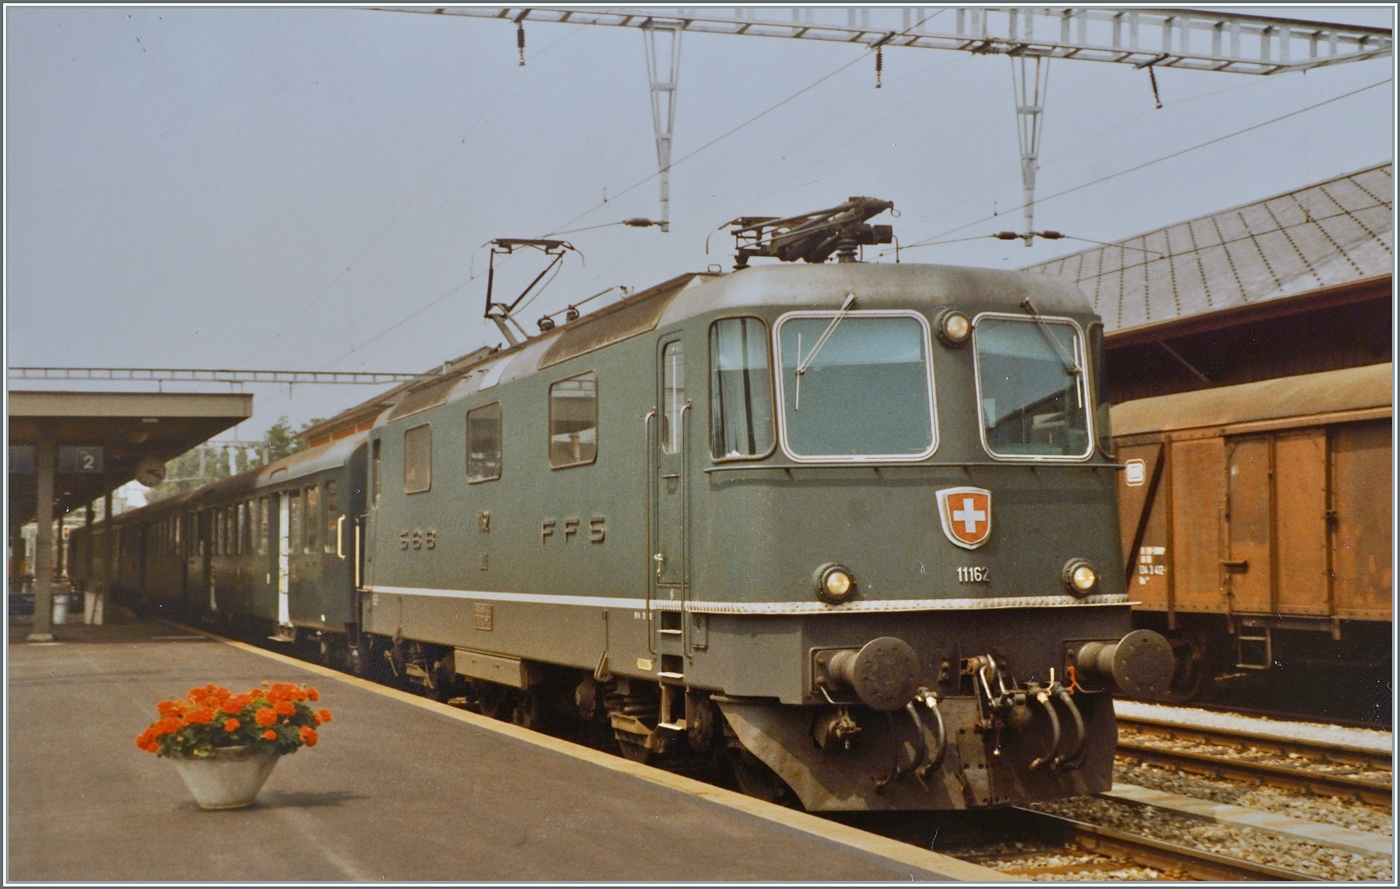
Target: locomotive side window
<point>573,421</point>
<point>741,399</point>
<point>332,514</point>
<point>313,519</point>
<point>262,526</point>
<point>673,396</point>
<point>1030,381</point>
<point>484,443</point>
<point>855,386</point>
<point>418,459</point>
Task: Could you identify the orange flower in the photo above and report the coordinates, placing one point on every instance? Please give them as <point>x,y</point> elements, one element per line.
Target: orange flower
<point>166,726</point>
<point>285,708</point>
<point>168,708</point>
<point>231,725</point>
<point>266,716</point>
<point>323,716</point>
<point>313,695</point>
<point>308,736</point>
<point>270,735</point>
<point>201,716</point>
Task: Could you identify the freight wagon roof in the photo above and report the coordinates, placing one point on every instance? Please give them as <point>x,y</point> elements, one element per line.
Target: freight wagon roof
<point>1330,392</point>
<point>1334,232</point>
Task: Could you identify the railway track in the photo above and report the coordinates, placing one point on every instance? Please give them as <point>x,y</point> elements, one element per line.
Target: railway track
<point>1235,768</point>
<point>1172,859</point>
<point>1021,842</point>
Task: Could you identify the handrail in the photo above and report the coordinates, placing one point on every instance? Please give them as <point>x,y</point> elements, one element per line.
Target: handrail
<point>685,526</point>
<point>359,581</point>
<point>340,537</point>
<point>650,537</point>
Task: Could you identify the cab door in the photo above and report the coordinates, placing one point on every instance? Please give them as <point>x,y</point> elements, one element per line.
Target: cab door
<point>668,459</point>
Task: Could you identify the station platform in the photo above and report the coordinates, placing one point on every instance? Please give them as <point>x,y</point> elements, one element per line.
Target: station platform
<point>400,788</point>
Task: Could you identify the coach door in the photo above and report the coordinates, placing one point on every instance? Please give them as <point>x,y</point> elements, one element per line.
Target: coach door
<point>667,440</point>
<point>284,551</point>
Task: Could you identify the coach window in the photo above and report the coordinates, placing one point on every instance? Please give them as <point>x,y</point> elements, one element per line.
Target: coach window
<point>332,513</point>
<point>313,518</point>
<point>418,459</point>
<point>573,421</point>
<point>374,482</point>
<point>741,387</point>
<point>294,514</point>
<point>1030,384</point>
<point>484,443</point>
<point>262,526</point>
<point>231,530</point>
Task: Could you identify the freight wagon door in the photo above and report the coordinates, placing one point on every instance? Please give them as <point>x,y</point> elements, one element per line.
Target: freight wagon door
<point>669,485</point>
<point>1248,565</point>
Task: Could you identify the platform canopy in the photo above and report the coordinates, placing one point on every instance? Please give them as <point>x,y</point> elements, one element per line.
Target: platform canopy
<point>102,439</point>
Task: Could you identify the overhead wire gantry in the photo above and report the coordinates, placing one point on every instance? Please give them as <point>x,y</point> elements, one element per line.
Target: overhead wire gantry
<point>1192,39</point>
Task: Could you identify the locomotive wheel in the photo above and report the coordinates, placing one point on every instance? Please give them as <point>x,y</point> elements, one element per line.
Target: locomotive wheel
<point>527,711</point>
<point>638,753</point>
<point>755,778</point>
<point>493,700</point>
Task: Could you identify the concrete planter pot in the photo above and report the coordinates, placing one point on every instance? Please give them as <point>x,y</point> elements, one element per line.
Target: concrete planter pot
<point>230,779</point>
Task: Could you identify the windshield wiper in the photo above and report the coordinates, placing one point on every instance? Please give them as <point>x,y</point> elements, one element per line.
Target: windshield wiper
<point>804,363</point>
<point>1065,358</point>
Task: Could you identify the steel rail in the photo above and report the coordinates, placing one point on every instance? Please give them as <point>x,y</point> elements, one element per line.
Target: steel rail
<point>1148,852</point>
<point>1341,754</point>
<point>1283,777</point>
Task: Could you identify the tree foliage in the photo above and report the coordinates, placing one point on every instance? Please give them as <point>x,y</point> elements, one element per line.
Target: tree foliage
<point>204,464</point>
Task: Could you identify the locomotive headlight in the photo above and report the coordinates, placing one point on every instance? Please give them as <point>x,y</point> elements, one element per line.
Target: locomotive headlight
<point>1080,576</point>
<point>953,327</point>
<point>835,583</point>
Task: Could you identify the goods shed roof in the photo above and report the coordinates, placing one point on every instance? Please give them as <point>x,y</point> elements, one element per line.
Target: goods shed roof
<point>1331,233</point>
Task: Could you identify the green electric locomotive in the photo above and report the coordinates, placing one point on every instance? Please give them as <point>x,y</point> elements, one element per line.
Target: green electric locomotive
<point>851,526</point>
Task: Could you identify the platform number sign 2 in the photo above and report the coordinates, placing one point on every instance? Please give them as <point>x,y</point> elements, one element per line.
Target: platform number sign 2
<point>77,459</point>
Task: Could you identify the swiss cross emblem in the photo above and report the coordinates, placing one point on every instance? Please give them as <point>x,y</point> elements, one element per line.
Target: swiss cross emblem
<point>966,515</point>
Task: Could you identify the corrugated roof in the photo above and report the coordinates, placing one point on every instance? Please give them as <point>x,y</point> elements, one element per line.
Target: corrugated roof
<point>1329,233</point>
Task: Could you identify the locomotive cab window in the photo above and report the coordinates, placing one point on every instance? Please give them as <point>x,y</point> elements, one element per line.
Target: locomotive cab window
<point>484,443</point>
<point>573,421</point>
<point>855,386</point>
<point>418,459</point>
<point>741,389</point>
<point>1030,382</point>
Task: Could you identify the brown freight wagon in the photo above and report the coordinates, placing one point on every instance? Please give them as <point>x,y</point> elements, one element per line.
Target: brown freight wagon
<point>1256,522</point>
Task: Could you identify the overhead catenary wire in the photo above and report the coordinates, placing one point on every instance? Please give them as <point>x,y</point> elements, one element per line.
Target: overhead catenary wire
<point>406,204</point>
<point>755,118</point>
<point>1158,160</point>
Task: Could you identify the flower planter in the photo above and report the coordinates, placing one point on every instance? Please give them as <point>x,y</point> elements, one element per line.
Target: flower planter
<point>230,779</point>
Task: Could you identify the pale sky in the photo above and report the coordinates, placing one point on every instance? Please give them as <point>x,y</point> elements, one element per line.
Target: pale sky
<point>310,188</point>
